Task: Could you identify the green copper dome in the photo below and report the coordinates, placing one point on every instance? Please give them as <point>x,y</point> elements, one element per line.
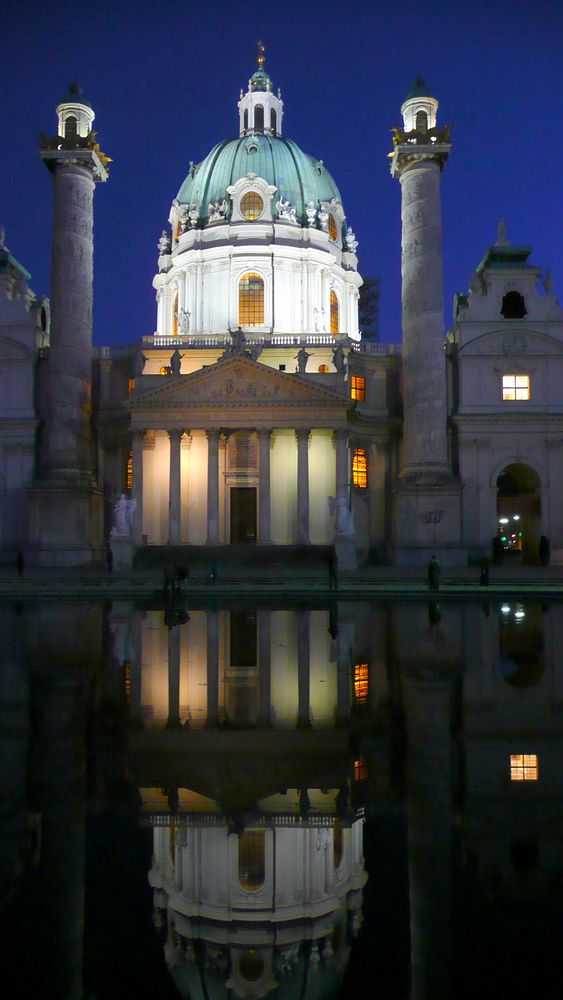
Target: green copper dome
<point>299,178</point>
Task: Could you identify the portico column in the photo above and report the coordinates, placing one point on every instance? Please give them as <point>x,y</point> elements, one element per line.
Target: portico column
<point>303,485</point>
<point>212,668</point>
<point>174,677</point>
<point>341,445</point>
<point>303,669</point>
<point>137,491</point>
<point>212,487</point>
<point>174,496</point>
<point>264,514</point>
<point>264,660</point>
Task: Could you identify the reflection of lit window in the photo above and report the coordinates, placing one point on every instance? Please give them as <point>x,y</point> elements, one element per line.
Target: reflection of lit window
<point>129,471</point>
<point>358,387</point>
<point>332,230</point>
<point>251,965</point>
<point>524,767</point>
<point>361,681</point>
<point>515,386</point>
<point>127,666</point>
<point>130,385</point>
<point>337,842</point>
<point>251,206</point>
<point>251,300</point>
<point>360,469</point>
<point>334,314</point>
<point>323,369</point>
<point>360,768</point>
<point>252,859</point>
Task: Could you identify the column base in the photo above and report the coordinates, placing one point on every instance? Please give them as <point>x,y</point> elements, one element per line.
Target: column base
<point>65,525</point>
<point>345,549</point>
<point>123,549</point>
<point>428,521</point>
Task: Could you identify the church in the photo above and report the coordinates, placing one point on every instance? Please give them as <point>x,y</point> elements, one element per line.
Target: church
<point>256,413</point>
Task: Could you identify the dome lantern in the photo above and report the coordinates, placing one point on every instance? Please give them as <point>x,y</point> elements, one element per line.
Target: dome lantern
<point>259,109</point>
<point>419,108</point>
<point>75,114</point>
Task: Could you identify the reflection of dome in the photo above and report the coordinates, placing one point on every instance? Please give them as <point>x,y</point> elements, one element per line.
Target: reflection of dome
<point>299,178</point>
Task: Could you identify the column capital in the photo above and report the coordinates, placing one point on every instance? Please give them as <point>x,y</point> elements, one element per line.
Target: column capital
<point>303,433</point>
<point>175,434</point>
<point>341,434</point>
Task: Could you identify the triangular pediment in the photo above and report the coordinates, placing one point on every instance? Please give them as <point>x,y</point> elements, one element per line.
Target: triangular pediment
<point>236,381</point>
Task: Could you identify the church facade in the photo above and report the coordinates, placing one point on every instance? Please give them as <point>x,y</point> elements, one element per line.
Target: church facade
<point>256,413</point>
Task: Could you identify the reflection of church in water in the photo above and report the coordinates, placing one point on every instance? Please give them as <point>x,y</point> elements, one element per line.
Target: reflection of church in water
<point>256,413</point>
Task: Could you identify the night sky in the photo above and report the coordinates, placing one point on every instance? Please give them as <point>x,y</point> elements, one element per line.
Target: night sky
<point>164,80</point>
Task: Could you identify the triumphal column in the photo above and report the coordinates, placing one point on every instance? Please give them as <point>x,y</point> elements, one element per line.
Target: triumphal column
<point>65,508</point>
<point>428,495</point>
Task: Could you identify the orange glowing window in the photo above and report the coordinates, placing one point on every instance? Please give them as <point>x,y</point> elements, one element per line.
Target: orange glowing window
<point>252,859</point>
<point>129,472</point>
<point>332,230</point>
<point>334,313</point>
<point>323,369</point>
<point>178,231</point>
<point>524,767</point>
<point>251,300</point>
<point>130,385</point>
<point>175,317</point>
<point>360,768</point>
<point>164,370</point>
<point>357,387</point>
<point>515,386</point>
<point>360,469</point>
<point>251,206</point>
<point>361,682</point>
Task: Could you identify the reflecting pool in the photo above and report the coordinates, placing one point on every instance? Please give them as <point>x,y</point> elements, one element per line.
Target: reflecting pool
<point>294,801</point>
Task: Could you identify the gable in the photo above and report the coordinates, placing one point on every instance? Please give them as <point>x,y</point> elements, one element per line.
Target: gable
<point>511,342</point>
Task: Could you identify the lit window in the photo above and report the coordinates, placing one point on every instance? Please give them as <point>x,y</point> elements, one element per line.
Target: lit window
<point>129,471</point>
<point>175,317</point>
<point>358,387</point>
<point>524,767</point>
<point>251,206</point>
<point>332,230</point>
<point>323,369</point>
<point>164,370</point>
<point>252,859</point>
<point>360,768</point>
<point>334,317</point>
<point>130,385</point>
<point>251,300</point>
<point>361,682</point>
<point>515,386</point>
<point>360,469</point>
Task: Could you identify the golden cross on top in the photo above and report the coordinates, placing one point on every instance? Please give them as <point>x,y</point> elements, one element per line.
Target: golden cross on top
<point>261,58</point>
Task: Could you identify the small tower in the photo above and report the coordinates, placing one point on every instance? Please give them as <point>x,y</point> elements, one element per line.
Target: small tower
<point>259,109</point>
<point>428,496</point>
<point>66,521</point>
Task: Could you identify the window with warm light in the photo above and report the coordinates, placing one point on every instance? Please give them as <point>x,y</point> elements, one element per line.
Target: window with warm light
<point>129,472</point>
<point>178,231</point>
<point>332,230</point>
<point>164,370</point>
<point>323,369</point>
<point>334,313</point>
<point>175,317</point>
<point>361,682</point>
<point>130,385</point>
<point>357,387</point>
<point>360,768</point>
<point>251,206</point>
<point>515,386</point>
<point>360,469</point>
<point>252,859</point>
<point>524,767</point>
<point>251,300</point>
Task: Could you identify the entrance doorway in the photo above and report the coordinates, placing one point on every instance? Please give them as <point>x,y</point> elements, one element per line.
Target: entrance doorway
<point>243,514</point>
<point>519,511</point>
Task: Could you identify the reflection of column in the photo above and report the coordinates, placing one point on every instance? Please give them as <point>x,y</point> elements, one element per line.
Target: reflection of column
<point>427,704</point>
<point>135,697</point>
<point>303,485</point>
<point>174,676</point>
<point>303,669</point>
<point>212,487</point>
<point>212,668</point>
<point>264,661</point>
<point>174,496</point>
<point>137,491</point>
<point>343,668</point>
<point>264,438</point>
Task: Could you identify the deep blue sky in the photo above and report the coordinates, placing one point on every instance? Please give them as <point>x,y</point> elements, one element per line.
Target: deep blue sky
<point>164,80</point>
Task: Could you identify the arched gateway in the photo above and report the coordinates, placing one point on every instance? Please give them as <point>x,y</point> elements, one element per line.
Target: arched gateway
<point>519,511</point>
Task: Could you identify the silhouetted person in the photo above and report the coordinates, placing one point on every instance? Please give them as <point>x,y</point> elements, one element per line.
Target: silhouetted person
<point>544,551</point>
<point>332,570</point>
<point>484,575</point>
<point>434,574</point>
<point>109,560</point>
<point>20,563</point>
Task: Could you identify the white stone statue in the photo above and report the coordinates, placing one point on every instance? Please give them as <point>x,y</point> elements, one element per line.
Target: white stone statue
<point>286,210</point>
<point>123,517</point>
<point>311,214</point>
<point>320,319</point>
<point>194,215</point>
<point>217,210</point>
<point>184,320</point>
<point>323,219</point>
<point>339,507</point>
<point>164,243</point>
<point>351,241</point>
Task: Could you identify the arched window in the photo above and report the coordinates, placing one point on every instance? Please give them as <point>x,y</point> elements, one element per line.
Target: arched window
<point>334,313</point>
<point>71,127</point>
<point>273,121</point>
<point>332,230</point>
<point>252,859</point>
<point>360,469</point>
<point>421,121</point>
<point>245,119</point>
<point>175,316</point>
<point>323,369</point>
<point>513,306</point>
<point>259,118</point>
<point>251,300</point>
